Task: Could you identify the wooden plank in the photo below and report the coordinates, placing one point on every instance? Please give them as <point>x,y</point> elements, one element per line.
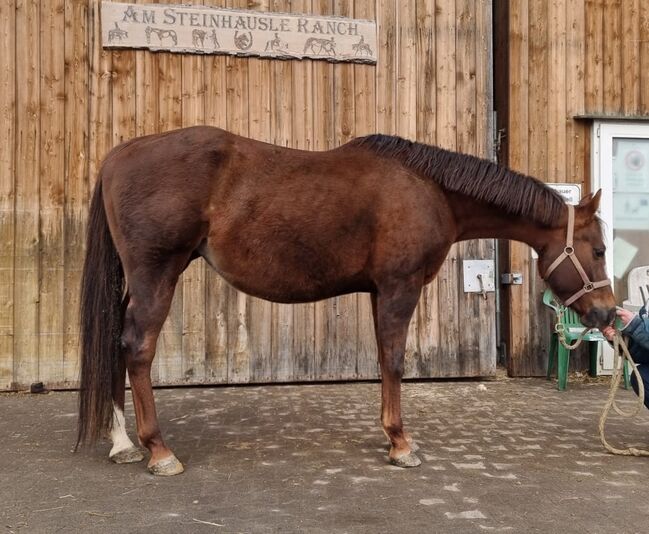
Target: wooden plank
<point>386,15</point>
<point>631,46</point>
<point>386,70</point>
<point>217,289</point>
<point>556,110</point>
<point>594,56</point>
<point>323,139</point>
<point>485,133</point>
<point>169,353</point>
<point>7,188</point>
<point>448,277</point>
<point>485,126</point>
<point>27,253</point>
<point>193,279</point>
<point>577,133</point>
<point>644,58</point>
<point>52,192</point>
<point>426,313</point>
<point>147,103</point>
<point>281,119</point>
<point>237,122</point>
<point>77,111</point>
<point>302,137</point>
<point>537,148</point>
<point>555,170</point>
<point>426,73</point>
<point>469,304</point>
<point>518,342</point>
<point>263,88</point>
<point>365,123</point>
<point>539,82</point>
<point>123,77</point>
<point>346,314</point>
<point>100,93</point>
<point>406,126</point>
<point>613,74</point>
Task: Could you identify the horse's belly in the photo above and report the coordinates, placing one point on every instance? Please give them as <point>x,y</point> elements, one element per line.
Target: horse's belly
<point>284,274</point>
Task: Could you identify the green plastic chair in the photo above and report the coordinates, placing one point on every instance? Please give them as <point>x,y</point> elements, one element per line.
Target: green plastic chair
<point>558,354</point>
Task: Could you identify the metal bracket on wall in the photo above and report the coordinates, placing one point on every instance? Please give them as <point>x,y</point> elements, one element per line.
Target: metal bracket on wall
<point>511,279</point>
<point>479,276</point>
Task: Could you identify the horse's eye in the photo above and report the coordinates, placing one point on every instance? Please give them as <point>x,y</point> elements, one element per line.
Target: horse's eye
<point>599,252</point>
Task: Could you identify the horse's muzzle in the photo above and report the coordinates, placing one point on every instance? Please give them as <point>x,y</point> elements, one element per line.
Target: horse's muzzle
<point>599,317</point>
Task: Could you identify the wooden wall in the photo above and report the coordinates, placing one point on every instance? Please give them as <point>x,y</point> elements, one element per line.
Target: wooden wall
<point>64,102</point>
<point>566,58</point>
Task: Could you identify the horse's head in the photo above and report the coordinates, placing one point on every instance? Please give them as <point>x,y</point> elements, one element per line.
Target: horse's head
<point>574,265</point>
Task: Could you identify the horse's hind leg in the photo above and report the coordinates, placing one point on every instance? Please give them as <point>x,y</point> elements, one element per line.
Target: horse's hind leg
<point>150,293</point>
<point>123,451</point>
<point>393,307</point>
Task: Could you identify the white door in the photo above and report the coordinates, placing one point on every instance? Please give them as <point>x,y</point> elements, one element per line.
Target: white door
<point>620,163</point>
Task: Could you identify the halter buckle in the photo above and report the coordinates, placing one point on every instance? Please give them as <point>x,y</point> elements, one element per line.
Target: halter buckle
<point>569,250</point>
<point>588,287</point>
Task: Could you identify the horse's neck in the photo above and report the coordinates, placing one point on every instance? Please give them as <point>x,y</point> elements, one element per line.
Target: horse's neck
<point>479,220</point>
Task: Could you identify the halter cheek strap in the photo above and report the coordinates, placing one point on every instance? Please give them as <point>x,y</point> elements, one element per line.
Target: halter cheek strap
<point>569,252</point>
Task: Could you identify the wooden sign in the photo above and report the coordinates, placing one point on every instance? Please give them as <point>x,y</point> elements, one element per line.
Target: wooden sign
<point>216,30</point>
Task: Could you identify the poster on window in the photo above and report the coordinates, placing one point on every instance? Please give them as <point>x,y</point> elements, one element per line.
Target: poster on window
<point>631,183</point>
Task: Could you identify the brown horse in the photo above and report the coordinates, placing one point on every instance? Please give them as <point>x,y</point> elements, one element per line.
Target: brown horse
<point>376,215</point>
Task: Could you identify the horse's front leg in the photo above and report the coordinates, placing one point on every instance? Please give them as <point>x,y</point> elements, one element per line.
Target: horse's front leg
<point>392,308</point>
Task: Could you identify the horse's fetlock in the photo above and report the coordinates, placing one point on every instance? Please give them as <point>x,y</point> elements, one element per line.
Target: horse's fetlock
<point>394,430</point>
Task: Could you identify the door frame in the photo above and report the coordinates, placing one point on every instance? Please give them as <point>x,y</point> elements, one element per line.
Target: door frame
<point>602,135</point>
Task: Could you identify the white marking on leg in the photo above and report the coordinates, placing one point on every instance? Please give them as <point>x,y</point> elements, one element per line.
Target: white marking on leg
<point>118,435</point>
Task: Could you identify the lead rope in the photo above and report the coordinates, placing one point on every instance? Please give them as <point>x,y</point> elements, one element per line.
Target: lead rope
<point>621,353</point>
<point>560,329</point>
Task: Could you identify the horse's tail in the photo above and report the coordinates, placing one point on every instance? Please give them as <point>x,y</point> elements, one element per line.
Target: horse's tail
<point>101,318</point>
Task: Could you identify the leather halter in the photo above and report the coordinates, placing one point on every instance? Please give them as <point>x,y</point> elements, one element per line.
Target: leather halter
<point>569,252</point>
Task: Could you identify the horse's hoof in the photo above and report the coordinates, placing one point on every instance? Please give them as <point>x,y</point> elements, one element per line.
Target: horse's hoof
<point>407,460</point>
<point>127,456</point>
<point>166,467</point>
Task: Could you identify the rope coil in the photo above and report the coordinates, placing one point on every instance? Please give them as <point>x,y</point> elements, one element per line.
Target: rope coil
<point>621,353</point>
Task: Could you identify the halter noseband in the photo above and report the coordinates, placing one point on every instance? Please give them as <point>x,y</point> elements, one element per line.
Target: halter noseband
<point>569,252</point>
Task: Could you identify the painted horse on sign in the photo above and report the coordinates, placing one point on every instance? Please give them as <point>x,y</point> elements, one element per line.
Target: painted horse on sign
<point>376,215</point>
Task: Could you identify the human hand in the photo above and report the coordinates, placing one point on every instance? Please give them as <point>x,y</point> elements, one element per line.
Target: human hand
<point>609,332</point>
<point>625,315</point>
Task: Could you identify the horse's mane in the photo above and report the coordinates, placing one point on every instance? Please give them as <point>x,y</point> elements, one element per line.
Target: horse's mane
<point>480,179</point>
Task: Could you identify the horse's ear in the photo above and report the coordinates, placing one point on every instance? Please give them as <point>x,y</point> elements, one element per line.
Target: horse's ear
<point>590,204</point>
